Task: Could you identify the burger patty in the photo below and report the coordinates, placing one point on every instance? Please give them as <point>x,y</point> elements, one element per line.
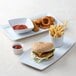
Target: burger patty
<point>43,54</point>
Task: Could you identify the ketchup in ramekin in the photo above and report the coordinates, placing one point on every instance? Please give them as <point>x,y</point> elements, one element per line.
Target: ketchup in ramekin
<point>17,48</point>
<point>19,27</point>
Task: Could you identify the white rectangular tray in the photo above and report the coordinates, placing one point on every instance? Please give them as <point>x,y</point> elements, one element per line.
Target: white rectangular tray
<point>59,52</point>
<point>14,36</point>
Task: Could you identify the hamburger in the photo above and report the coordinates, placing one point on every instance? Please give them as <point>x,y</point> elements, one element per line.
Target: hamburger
<point>42,51</point>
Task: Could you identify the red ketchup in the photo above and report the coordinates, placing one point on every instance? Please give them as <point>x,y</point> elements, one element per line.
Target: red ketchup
<point>19,27</point>
<point>17,46</point>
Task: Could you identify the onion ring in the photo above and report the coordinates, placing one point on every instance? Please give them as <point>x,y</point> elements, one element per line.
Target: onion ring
<point>46,22</point>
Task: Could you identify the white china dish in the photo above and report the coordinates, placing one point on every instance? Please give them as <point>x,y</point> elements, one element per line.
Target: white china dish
<point>26,58</point>
<point>21,21</point>
<point>11,34</point>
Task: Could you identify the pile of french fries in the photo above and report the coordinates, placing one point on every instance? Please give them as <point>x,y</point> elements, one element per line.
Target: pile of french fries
<point>56,31</point>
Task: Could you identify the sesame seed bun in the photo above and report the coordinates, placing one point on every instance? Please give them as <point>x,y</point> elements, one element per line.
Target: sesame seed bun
<point>42,47</point>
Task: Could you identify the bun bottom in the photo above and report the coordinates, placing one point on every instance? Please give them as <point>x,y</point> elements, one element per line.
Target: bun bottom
<point>38,59</point>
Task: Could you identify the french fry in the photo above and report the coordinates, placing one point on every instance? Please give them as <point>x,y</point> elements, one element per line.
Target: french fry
<point>55,35</point>
<point>62,33</point>
<point>58,34</point>
<point>59,28</point>
<point>62,30</point>
<point>65,23</point>
<point>52,32</point>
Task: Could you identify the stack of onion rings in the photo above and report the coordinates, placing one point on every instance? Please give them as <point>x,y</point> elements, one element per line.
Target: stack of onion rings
<point>43,22</point>
<point>47,21</point>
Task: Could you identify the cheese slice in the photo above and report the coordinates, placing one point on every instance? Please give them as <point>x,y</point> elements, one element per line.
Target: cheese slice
<point>38,59</point>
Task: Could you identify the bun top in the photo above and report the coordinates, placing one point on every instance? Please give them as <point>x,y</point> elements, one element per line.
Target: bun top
<point>41,47</point>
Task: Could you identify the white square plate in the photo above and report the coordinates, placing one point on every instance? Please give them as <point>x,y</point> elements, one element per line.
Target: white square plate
<point>14,36</point>
<point>23,21</point>
<point>59,52</point>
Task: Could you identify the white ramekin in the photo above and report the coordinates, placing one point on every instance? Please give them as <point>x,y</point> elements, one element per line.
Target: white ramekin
<point>18,51</point>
